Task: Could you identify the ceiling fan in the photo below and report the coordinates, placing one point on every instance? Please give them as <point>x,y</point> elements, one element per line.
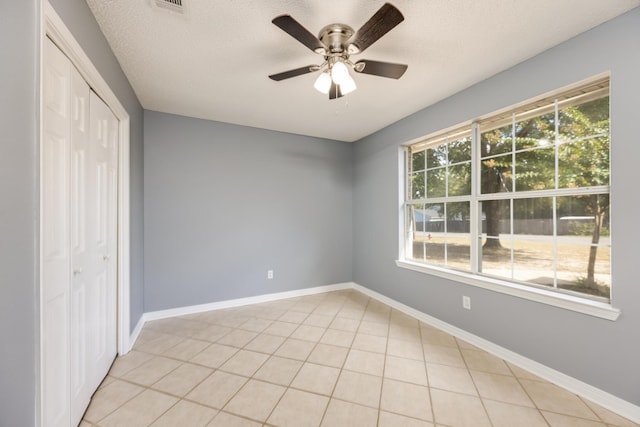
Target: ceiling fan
<point>336,43</point>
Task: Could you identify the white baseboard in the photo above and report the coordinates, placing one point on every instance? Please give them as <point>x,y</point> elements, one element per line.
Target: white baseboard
<point>134,335</point>
<point>193,309</point>
<point>600,397</point>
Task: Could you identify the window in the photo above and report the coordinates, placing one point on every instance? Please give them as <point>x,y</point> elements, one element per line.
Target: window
<point>520,197</point>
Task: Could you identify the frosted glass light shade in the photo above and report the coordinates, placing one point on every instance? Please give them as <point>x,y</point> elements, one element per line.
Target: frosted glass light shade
<point>323,83</point>
<point>339,72</point>
<point>348,86</point>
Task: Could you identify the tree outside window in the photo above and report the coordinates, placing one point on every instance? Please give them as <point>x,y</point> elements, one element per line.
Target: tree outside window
<point>540,180</point>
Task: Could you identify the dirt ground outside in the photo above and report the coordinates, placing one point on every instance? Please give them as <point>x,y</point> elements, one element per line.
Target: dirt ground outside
<point>524,258</point>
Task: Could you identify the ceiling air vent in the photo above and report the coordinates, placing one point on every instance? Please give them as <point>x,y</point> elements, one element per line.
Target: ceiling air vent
<point>173,5</point>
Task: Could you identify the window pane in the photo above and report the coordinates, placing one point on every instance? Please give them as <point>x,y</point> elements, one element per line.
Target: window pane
<point>536,169</point>
<point>527,156</point>
<point>460,150</point>
<point>584,120</point>
<point>419,249</point>
<point>586,217</point>
<point>434,245</point>
<point>575,273</point>
<point>459,252</point>
<point>418,219</point>
<point>533,217</point>
<point>436,182</point>
<point>458,236</point>
<point>415,231</point>
<point>584,163</point>
<point>434,218</point>
<point>583,244</point>
<point>417,185</point>
<point>533,261</point>
<point>536,132</point>
<point>433,235</point>
<point>496,219</point>
<point>496,252</point>
<point>417,161</point>
<point>460,179</point>
<point>458,217</point>
<point>495,259</point>
<point>496,175</point>
<point>496,141</point>
<point>437,156</point>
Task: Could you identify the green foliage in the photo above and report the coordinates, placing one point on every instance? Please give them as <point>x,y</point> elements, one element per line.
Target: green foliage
<point>442,170</point>
<point>542,150</point>
<point>583,152</point>
<point>581,141</point>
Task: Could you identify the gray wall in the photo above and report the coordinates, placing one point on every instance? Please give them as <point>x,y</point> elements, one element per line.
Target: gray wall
<point>225,203</point>
<point>599,352</point>
<point>18,208</point>
<point>82,24</point>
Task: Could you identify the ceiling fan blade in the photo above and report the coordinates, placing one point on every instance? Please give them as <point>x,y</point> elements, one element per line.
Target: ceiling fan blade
<point>334,91</point>
<point>382,69</point>
<point>298,32</point>
<point>292,73</point>
<point>383,21</point>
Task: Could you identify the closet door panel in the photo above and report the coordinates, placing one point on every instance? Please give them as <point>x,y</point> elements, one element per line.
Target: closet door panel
<point>55,245</point>
<point>81,211</point>
<point>104,142</point>
<point>79,187</point>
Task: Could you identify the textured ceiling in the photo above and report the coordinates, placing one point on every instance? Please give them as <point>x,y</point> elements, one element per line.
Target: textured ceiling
<point>212,62</point>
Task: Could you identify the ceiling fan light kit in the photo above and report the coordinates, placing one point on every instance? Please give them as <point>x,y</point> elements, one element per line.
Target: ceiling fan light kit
<point>335,44</point>
<point>323,83</point>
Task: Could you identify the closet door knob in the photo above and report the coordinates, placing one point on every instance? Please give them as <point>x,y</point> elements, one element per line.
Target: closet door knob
<point>105,257</point>
<point>77,271</point>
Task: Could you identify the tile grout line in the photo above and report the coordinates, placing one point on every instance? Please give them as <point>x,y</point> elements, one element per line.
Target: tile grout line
<point>287,387</point>
<point>333,389</point>
<point>426,371</point>
<point>347,304</point>
<point>384,364</point>
<point>475,386</point>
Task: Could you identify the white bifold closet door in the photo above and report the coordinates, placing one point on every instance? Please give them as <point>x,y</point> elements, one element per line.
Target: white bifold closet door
<point>79,240</point>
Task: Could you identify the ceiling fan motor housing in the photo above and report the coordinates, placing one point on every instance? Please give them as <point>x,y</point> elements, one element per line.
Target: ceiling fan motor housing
<point>335,37</point>
<point>335,45</point>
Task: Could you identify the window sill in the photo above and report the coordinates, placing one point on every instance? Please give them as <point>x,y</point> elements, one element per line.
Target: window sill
<point>568,302</point>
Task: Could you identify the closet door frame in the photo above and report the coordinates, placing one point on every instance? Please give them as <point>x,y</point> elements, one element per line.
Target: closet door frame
<point>53,27</point>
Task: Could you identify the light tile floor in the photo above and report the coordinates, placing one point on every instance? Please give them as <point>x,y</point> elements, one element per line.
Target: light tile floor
<point>332,359</point>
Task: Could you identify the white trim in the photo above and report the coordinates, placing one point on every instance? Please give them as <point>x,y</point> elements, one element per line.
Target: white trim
<point>403,163</point>
<point>556,299</point>
<point>182,311</point>
<point>54,28</point>
<point>136,331</point>
<point>600,397</point>
<point>585,304</point>
<point>39,409</point>
<point>220,305</point>
<point>596,395</point>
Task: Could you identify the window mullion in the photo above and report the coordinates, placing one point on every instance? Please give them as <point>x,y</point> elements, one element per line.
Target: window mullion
<point>514,178</point>
<point>514,184</point>
<point>557,145</point>
<point>475,213</point>
<point>525,126</point>
<point>555,243</point>
<point>557,182</point>
<point>511,238</point>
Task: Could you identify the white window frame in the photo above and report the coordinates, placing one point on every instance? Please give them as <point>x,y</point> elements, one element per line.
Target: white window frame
<point>569,301</point>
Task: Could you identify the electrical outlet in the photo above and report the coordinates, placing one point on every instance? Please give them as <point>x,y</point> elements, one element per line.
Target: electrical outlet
<point>269,274</point>
<point>466,302</point>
